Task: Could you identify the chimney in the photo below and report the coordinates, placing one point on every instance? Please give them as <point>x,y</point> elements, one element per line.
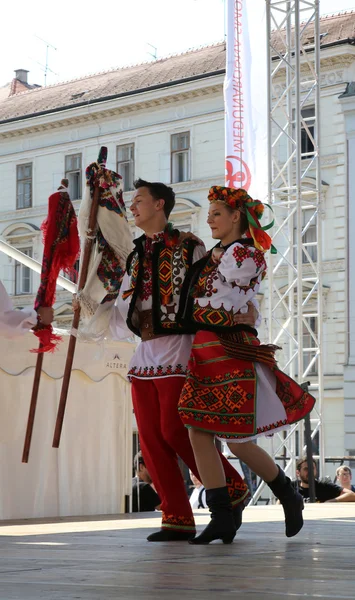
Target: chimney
<point>21,75</point>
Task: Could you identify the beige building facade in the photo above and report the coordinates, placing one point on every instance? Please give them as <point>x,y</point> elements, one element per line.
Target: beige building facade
<point>164,121</point>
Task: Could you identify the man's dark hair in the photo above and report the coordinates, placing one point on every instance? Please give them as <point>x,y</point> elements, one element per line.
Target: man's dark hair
<point>137,461</point>
<point>301,460</point>
<point>159,191</point>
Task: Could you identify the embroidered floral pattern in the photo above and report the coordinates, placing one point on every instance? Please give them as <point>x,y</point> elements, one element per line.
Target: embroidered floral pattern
<point>133,273</point>
<point>208,315</point>
<point>178,522</point>
<point>205,285</point>
<point>113,203</point>
<point>259,259</point>
<point>260,431</point>
<point>241,253</point>
<point>159,371</point>
<point>110,270</point>
<point>157,237</point>
<point>147,287</point>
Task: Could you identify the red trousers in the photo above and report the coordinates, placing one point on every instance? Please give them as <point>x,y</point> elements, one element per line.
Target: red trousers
<point>163,438</point>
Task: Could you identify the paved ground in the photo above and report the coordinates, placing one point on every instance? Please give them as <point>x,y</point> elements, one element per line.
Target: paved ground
<point>109,559</point>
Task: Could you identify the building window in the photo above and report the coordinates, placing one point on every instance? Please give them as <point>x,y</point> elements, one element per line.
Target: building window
<point>24,186</point>
<point>309,237</point>
<point>125,165</point>
<point>180,157</point>
<point>309,342</point>
<point>73,174</point>
<point>310,345</point>
<point>307,137</point>
<point>23,278</point>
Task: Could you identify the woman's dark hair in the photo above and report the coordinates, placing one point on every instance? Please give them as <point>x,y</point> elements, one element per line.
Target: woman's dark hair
<point>244,223</point>
<point>159,191</point>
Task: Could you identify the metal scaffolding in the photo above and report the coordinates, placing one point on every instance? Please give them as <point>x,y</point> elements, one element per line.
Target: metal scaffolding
<point>295,291</point>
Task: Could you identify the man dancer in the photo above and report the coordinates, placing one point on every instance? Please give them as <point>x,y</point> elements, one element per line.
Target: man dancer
<point>147,304</point>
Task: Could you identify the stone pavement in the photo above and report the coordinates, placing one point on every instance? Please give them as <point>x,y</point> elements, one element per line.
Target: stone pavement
<point>108,558</point>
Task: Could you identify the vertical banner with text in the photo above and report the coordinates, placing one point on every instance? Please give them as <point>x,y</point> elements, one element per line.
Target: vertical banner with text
<point>245,93</point>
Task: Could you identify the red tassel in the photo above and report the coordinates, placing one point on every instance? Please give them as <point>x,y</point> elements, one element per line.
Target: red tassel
<point>61,248</point>
<point>47,338</point>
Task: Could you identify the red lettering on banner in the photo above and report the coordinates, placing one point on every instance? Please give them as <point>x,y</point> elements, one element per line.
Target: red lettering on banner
<point>237,171</point>
<point>237,100</point>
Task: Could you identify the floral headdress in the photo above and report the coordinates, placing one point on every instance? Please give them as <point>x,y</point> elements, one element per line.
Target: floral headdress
<point>239,199</point>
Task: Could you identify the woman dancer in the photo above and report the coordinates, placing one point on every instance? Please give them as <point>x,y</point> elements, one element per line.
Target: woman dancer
<point>234,390</point>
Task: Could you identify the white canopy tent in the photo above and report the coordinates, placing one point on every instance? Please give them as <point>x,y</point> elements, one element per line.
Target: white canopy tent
<point>92,471</point>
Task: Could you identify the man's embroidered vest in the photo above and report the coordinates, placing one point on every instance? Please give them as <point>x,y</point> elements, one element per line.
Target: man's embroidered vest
<point>170,265</point>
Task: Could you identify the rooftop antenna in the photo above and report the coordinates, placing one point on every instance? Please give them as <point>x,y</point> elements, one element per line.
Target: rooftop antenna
<point>155,56</point>
<point>46,67</point>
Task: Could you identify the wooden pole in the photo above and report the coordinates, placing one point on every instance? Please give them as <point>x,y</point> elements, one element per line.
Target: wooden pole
<point>36,381</point>
<point>33,405</point>
<point>72,341</point>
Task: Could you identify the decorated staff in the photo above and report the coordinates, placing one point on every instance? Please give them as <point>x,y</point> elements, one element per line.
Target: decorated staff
<point>61,249</point>
<point>106,243</point>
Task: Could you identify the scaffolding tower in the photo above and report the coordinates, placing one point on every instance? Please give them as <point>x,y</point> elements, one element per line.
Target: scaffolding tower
<point>294,295</point>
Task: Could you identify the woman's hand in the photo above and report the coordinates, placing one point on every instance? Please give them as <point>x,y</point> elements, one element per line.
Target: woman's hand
<point>188,235</point>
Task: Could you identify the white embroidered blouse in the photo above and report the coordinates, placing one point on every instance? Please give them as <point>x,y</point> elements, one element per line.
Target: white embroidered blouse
<point>229,282</point>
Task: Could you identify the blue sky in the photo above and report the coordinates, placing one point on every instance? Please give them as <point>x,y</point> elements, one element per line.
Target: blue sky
<point>91,37</point>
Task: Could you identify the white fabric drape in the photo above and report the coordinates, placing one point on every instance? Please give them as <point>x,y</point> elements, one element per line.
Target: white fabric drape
<point>91,472</point>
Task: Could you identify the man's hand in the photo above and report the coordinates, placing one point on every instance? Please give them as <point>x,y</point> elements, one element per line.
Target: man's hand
<point>46,315</point>
<point>248,318</point>
<point>187,235</point>
<point>217,254</point>
<point>75,303</point>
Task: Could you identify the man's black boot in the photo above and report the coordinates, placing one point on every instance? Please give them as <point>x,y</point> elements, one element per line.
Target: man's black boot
<point>291,501</point>
<point>170,535</point>
<point>222,525</point>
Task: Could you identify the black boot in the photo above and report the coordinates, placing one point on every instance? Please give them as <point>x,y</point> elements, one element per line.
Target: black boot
<point>170,535</point>
<point>237,511</point>
<point>222,525</point>
<point>291,501</point>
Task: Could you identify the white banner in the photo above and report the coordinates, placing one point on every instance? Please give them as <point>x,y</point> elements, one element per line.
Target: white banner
<point>245,92</point>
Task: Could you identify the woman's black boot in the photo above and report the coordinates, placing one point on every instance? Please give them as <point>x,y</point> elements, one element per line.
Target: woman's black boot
<point>222,525</point>
<point>291,501</point>
<point>238,514</point>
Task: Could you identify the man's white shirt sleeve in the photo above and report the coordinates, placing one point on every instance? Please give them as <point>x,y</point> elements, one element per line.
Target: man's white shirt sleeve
<point>14,322</point>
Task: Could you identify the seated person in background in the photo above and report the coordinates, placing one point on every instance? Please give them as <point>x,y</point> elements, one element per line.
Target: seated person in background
<point>343,474</point>
<point>325,491</point>
<point>144,496</point>
<point>198,496</point>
